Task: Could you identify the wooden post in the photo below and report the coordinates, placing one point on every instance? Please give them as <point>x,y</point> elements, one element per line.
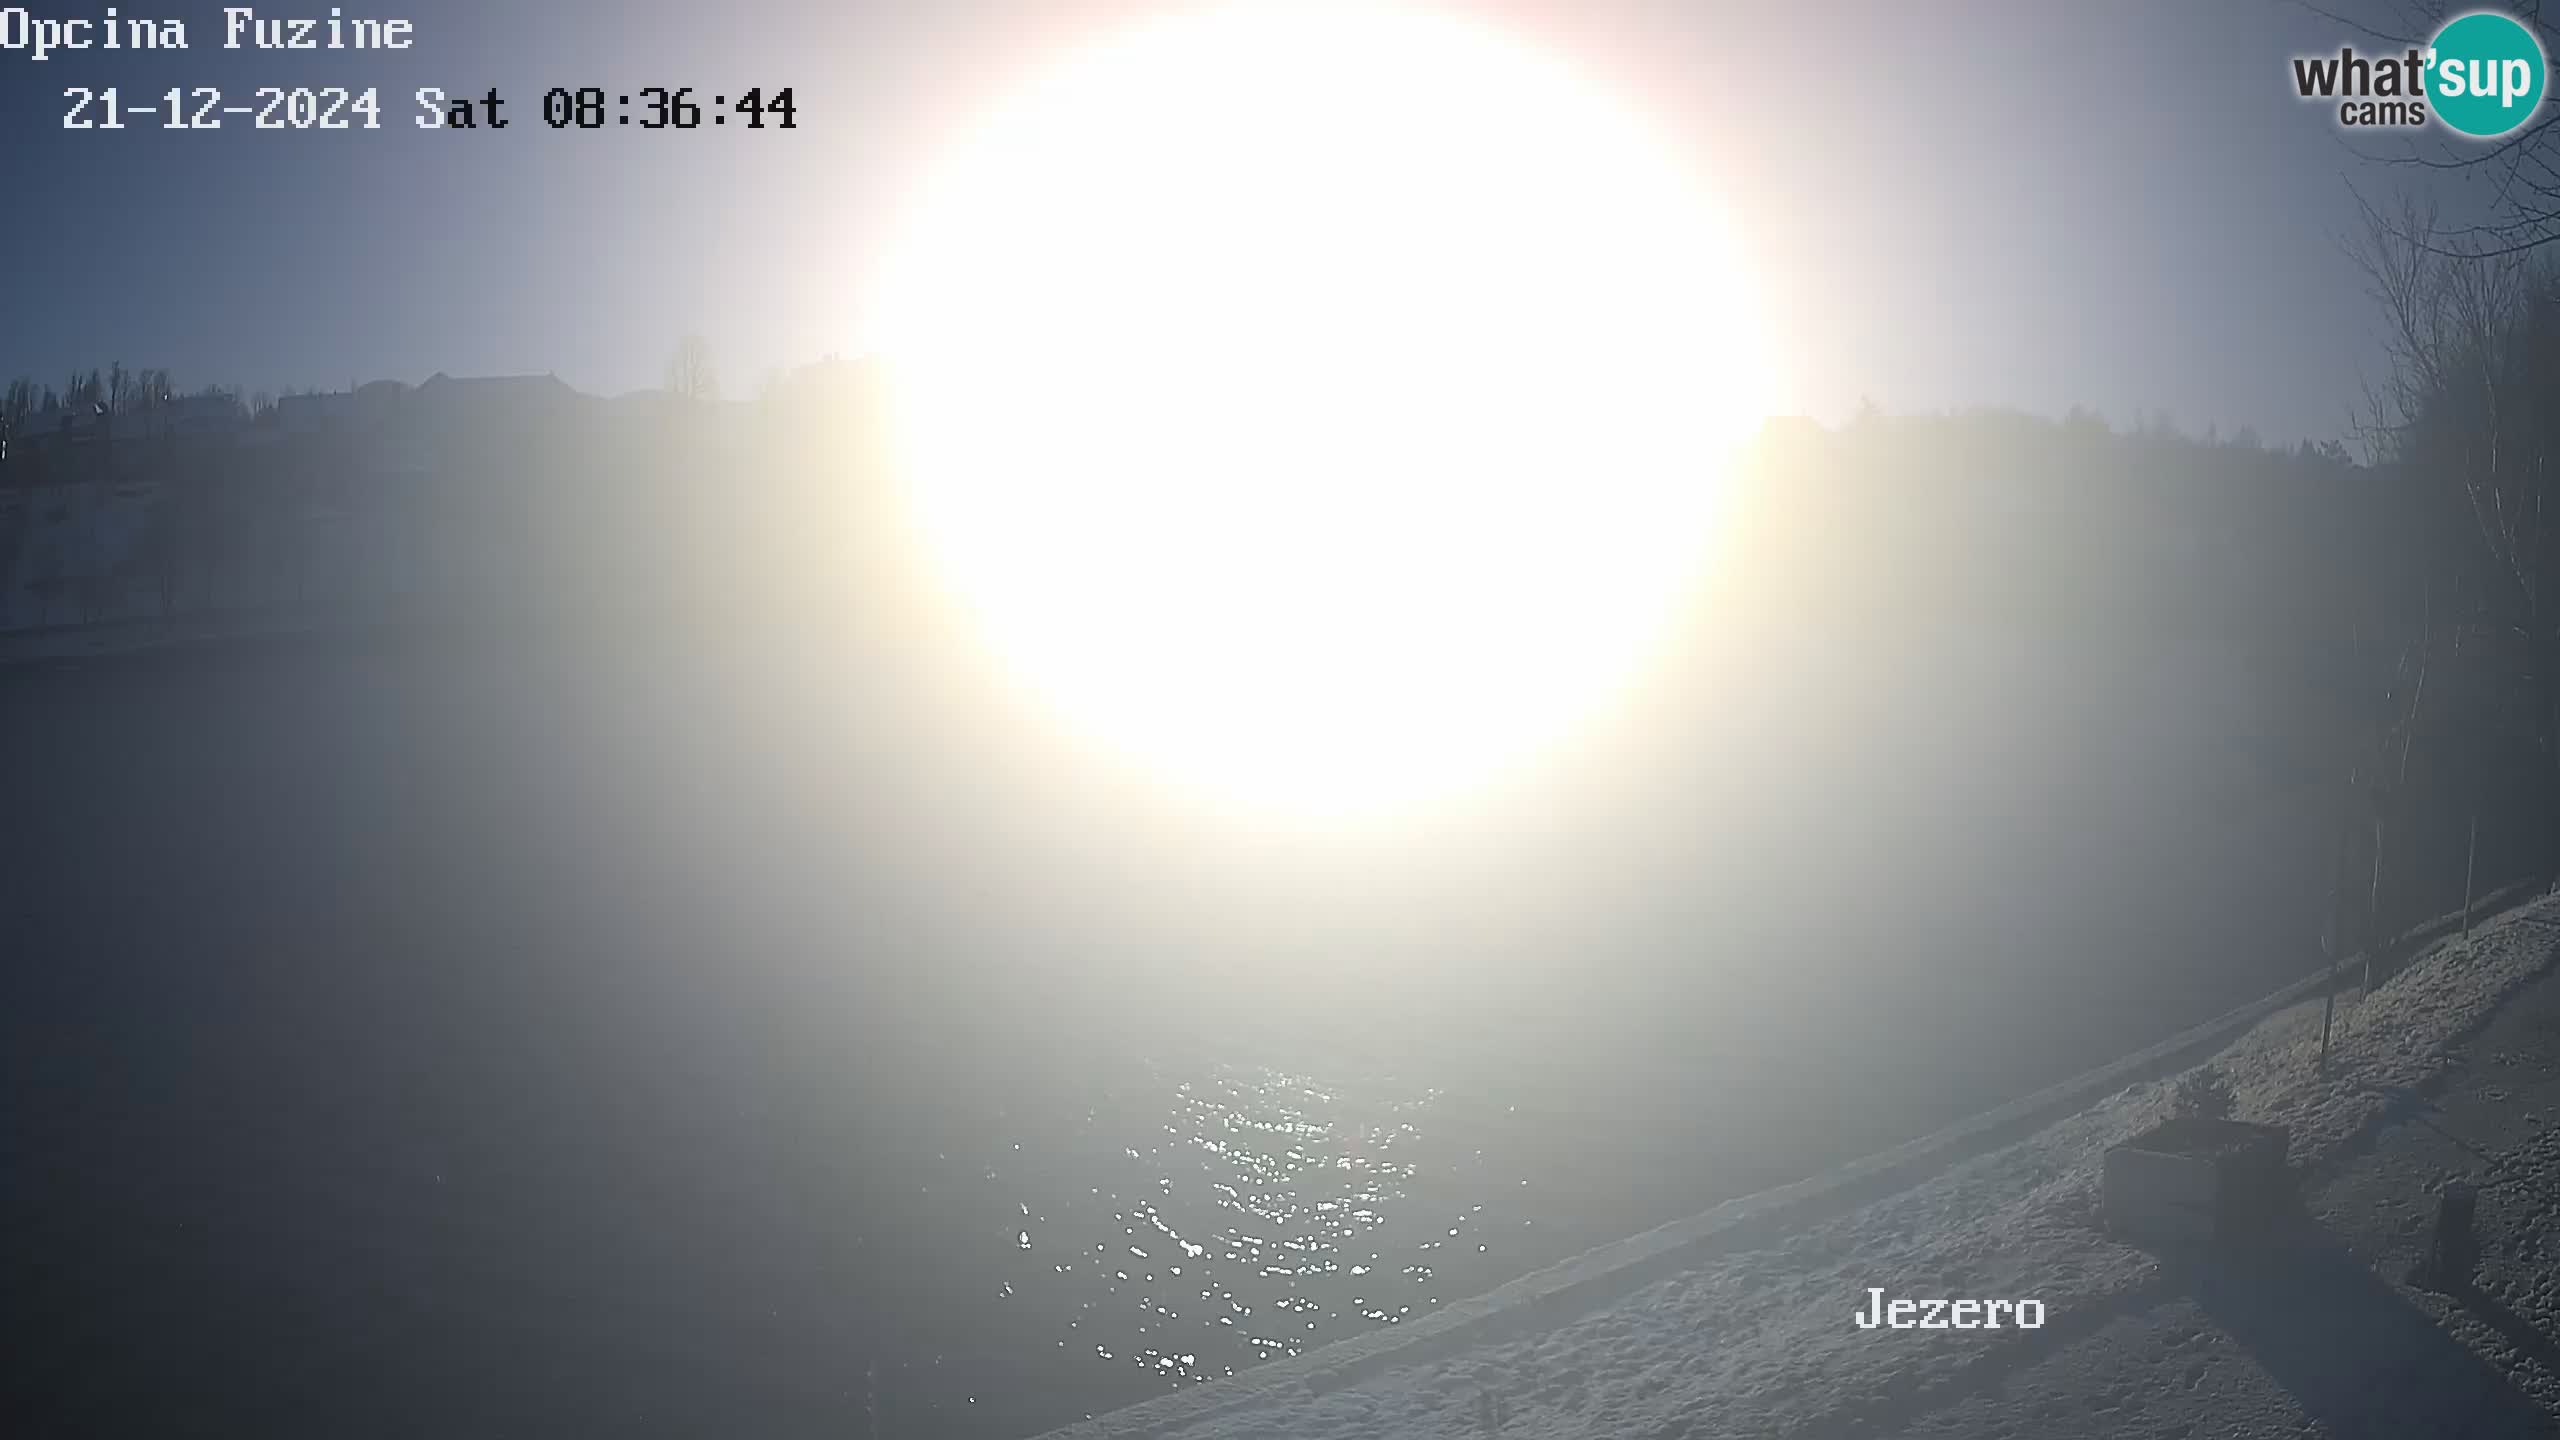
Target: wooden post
<point>2337,924</point>
<point>2453,1251</point>
<point>2405,728</point>
<point>2328,1010</point>
<point>2470,871</point>
<point>2373,899</point>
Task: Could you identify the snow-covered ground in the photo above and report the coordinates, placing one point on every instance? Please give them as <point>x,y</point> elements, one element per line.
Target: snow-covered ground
<point>1760,1341</point>
<point>2324,1334</point>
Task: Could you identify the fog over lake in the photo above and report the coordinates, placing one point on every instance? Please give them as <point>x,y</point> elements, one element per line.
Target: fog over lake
<point>576,1022</point>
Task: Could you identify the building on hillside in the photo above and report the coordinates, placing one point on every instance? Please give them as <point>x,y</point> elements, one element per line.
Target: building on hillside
<point>188,417</point>
<point>319,413</point>
<point>63,430</point>
<point>55,429</point>
<point>488,426</point>
<point>367,407</point>
<point>377,401</point>
<point>496,399</point>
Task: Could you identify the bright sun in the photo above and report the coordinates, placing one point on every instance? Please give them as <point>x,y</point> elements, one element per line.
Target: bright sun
<point>1323,404</point>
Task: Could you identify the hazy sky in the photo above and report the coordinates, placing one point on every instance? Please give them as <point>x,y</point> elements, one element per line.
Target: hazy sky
<point>2027,204</point>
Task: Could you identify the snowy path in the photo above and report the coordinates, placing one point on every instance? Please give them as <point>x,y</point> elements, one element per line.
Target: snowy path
<point>1759,1341</point>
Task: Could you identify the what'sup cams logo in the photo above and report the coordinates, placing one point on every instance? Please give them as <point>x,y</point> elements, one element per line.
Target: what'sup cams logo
<point>2482,76</point>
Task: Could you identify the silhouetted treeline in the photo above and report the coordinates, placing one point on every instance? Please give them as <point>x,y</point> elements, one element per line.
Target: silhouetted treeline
<point>2311,632</point>
<point>2469,410</point>
<point>2252,629</point>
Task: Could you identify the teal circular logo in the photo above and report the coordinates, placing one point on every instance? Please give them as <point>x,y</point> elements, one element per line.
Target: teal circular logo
<point>2485,74</point>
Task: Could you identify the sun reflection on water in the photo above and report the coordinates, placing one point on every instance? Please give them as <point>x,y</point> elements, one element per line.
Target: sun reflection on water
<point>1264,1212</point>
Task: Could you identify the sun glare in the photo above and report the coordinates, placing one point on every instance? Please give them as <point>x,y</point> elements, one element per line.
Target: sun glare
<point>1325,405</point>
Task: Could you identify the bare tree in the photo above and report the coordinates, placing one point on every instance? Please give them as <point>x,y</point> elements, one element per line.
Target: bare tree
<point>2508,190</point>
<point>17,402</point>
<point>2473,345</point>
<point>689,370</point>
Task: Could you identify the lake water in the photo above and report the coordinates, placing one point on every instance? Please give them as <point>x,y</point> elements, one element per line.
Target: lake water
<point>404,1042</point>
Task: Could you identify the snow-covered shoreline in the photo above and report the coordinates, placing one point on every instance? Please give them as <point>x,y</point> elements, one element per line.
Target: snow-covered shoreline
<point>1739,1321</point>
